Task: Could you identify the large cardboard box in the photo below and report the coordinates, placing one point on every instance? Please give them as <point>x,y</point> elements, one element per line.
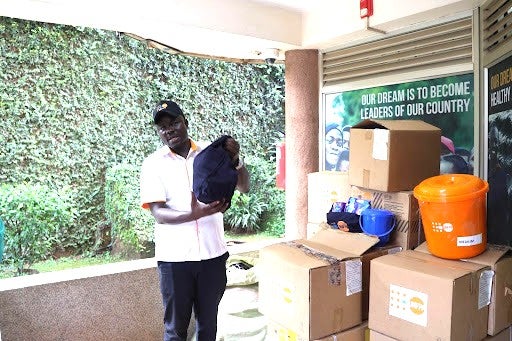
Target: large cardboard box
<point>499,258</point>
<point>314,287</point>
<point>407,233</point>
<point>313,228</point>
<point>376,336</point>
<point>366,258</point>
<point>357,333</point>
<point>276,332</point>
<point>504,335</point>
<point>414,295</point>
<point>325,188</point>
<point>393,155</point>
<point>404,206</point>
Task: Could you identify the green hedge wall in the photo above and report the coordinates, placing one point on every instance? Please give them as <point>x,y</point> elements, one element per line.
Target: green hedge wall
<point>76,101</point>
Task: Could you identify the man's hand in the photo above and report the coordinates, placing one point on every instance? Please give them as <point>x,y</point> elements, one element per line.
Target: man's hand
<point>199,210</point>
<point>233,149</point>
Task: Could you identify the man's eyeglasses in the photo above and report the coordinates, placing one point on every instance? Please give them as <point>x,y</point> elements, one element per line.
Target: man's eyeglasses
<point>331,140</point>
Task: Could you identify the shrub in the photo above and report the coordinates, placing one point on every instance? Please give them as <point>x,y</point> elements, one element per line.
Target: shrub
<point>36,218</point>
<point>263,208</point>
<point>273,220</point>
<point>130,224</point>
<point>245,213</point>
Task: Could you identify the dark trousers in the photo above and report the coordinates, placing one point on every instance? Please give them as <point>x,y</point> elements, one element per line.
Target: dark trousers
<point>192,285</point>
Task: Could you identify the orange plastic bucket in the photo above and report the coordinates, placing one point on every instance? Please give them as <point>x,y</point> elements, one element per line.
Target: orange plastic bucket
<point>453,213</point>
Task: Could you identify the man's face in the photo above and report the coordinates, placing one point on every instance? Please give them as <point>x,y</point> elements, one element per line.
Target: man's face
<point>333,144</point>
<point>172,131</point>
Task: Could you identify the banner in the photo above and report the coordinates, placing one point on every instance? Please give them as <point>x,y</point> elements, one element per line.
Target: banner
<point>446,102</point>
<point>499,109</point>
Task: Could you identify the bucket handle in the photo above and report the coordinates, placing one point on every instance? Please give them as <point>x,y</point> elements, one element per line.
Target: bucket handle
<point>394,223</point>
<point>390,230</point>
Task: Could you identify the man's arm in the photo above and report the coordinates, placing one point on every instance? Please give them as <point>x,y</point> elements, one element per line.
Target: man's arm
<point>243,181</point>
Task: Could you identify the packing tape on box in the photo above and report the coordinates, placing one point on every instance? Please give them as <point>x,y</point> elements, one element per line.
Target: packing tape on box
<point>334,269</point>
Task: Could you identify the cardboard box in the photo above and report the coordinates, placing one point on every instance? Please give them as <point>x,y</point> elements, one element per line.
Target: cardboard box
<point>499,258</point>
<point>376,336</point>
<point>312,229</point>
<point>407,233</point>
<point>372,253</point>
<point>393,155</point>
<point>414,295</point>
<point>504,335</point>
<point>324,189</point>
<point>276,332</point>
<point>314,287</point>
<point>366,258</point>
<point>404,206</point>
<point>354,334</point>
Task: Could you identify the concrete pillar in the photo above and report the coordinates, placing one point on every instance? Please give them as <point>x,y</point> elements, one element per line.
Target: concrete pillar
<point>301,129</point>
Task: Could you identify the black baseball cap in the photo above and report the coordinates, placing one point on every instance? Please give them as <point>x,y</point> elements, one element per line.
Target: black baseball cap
<point>167,107</point>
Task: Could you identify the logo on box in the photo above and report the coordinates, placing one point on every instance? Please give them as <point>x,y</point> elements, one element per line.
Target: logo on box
<point>408,305</point>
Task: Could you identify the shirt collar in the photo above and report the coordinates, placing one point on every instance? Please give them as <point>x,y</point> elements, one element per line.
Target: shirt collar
<point>194,148</point>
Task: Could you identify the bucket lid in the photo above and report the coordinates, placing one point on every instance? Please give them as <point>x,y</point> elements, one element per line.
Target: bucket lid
<point>376,212</point>
<point>450,187</point>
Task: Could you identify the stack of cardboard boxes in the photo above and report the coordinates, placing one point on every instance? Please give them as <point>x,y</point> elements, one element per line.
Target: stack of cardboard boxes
<point>414,294</point>
<point>336,285</point>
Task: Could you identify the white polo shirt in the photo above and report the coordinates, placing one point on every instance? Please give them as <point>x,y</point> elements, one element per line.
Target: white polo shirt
<point>167,177</point>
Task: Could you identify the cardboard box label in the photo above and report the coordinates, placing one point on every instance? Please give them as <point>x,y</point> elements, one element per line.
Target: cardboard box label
<point>354,273</point>
<point>408,305</point>
<point>380,144</point>
<point>485,288</point>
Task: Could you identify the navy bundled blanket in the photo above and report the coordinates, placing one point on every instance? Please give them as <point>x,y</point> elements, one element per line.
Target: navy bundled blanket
<point>215,177</point>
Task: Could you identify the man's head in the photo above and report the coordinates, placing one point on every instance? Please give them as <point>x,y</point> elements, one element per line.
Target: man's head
<point>172,126</point>
<point>166,107</point>
<point>333,144</point>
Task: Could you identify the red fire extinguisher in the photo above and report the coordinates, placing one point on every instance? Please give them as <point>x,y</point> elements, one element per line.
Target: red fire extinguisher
<point>280,165</point>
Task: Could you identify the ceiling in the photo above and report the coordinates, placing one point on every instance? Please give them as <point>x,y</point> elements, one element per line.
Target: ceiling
<point>240,30</point>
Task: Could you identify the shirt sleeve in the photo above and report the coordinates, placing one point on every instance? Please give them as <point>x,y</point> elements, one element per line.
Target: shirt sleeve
<point>151,187</point>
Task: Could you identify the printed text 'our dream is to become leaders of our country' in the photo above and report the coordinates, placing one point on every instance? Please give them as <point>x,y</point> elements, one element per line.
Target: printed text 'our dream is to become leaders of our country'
<point>435,99</point>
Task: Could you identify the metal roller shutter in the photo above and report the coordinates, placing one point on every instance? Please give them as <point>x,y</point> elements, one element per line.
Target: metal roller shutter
<point>443,45</point>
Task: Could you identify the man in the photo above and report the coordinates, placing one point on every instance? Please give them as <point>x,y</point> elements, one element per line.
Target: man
<point>189,235</point>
